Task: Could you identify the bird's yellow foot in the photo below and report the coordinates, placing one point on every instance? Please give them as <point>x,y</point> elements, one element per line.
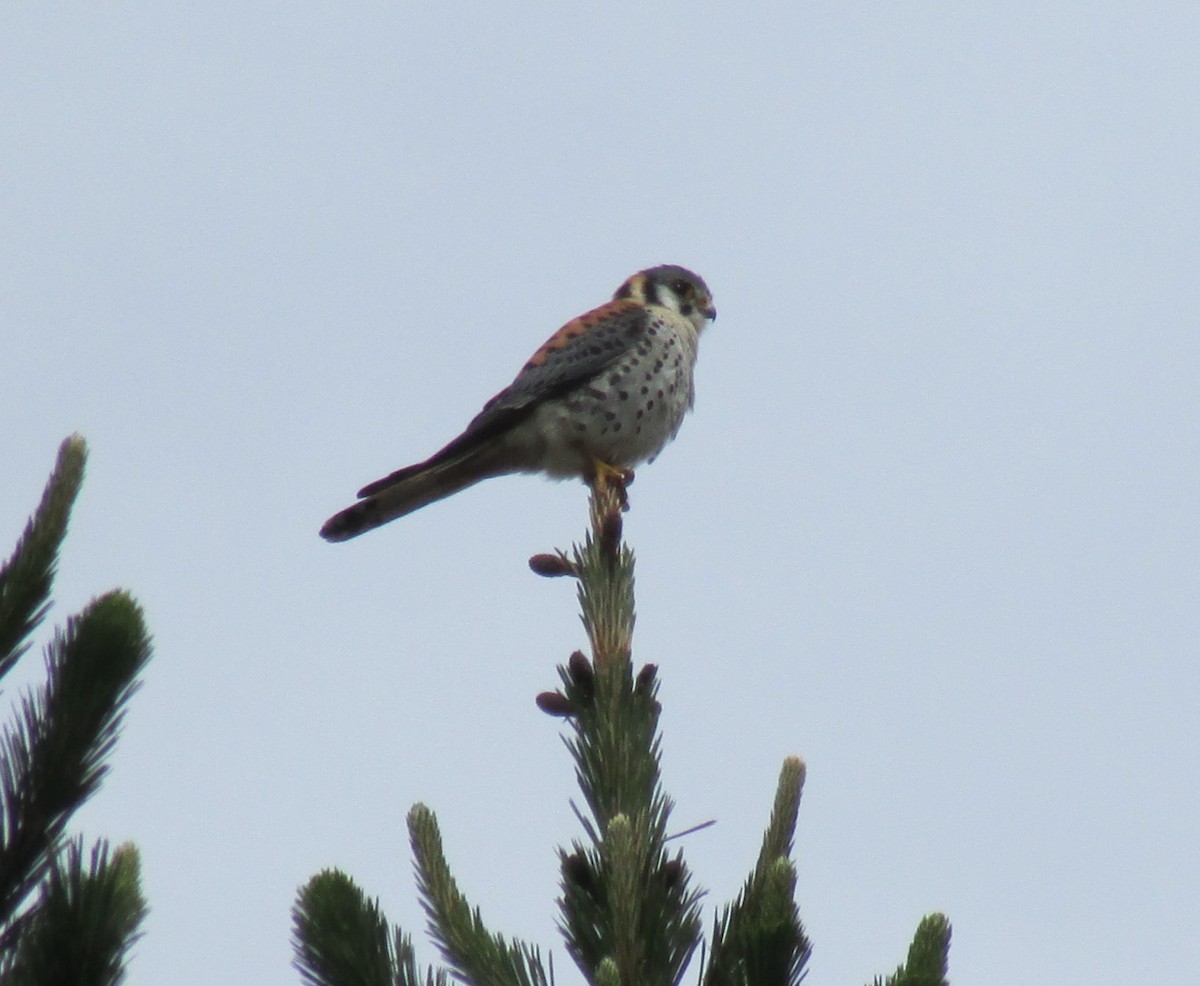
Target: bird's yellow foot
<point>603,477</point>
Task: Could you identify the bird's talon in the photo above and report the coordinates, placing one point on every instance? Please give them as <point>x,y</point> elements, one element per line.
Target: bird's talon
<point>626,479</point>
<point>604,478</point>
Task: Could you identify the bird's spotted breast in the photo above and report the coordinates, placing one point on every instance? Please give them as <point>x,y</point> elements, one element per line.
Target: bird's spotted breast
<point>628,413</point>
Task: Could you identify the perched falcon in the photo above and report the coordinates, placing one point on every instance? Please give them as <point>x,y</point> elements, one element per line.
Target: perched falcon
<point>606,392</point>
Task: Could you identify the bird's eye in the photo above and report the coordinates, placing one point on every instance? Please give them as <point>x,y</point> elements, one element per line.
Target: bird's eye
<point>681,288</point>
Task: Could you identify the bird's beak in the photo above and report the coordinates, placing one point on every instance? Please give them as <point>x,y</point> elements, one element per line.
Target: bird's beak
<point>710,313</point>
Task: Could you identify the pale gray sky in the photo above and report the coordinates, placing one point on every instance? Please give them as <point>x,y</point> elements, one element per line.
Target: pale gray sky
<point>933,526</point>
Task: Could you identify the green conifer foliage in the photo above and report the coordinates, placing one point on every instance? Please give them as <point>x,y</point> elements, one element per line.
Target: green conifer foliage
<point>66,916</point>
<point>628,910</point>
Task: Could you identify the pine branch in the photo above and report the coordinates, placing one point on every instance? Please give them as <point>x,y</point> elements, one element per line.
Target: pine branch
<point>476,955</point>
<point>85,921</point>
<point>54,756</point>
<point>928,956</point>
<point>340,938</point>
<point>627,910</point>
<point>26,577</point>
<point>759,939</point>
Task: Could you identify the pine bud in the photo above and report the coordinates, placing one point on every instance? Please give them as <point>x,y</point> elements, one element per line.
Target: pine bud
<point>610,535</point>
<point>578,871</point>
<point>672,870</point>
<point>582,674</point>
<point>552,566</point>
<point>645,679</point>
<point>555,704</point>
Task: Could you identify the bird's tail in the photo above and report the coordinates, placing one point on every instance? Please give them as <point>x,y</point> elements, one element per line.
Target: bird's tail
<point>407,490</point>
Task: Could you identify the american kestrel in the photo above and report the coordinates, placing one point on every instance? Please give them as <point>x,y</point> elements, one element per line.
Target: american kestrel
<point>605,393</point>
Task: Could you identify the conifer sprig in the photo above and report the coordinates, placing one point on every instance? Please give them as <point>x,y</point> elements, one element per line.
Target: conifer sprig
<point>627,908</point>
<point>340,938</point>
<point>27,576</point>
<point>759,938</point>
<point>81,923</point>
<point>53,756</point>
<point>927,963</point>
<point>86,920</point>
<point>475,954</point>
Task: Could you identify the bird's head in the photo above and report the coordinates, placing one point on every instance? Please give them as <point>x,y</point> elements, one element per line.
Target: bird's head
<point>676,288</point>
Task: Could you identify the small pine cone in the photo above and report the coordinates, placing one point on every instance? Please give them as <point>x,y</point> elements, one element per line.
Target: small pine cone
<point>610,535</point>
<point>672,870</point>
<point>645,679</point>
<point>582,674</point>
<point>552,566</point>
<point>555,704</point>
<point>578,871</point>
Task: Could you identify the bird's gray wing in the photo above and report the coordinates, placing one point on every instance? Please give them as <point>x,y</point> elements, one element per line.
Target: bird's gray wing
<point>580,351</point>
